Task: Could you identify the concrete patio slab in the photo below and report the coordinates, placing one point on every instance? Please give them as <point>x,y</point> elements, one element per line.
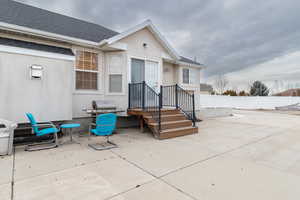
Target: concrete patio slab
<point>31,164</point>
<point>238,157</point>
<point>5,191</point>
<point>280,152</point>
<point>269,119</point>
<point>225,178</point>
<point>157,157</point>
<point>93,181</point>
<point>153,191</point>
<point>6,169</point>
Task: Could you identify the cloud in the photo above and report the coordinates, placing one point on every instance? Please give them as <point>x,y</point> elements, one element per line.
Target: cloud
<point>226,36</point>
<point>278,74</point>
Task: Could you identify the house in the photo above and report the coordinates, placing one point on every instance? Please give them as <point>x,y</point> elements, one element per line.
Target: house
<point>54,66</point>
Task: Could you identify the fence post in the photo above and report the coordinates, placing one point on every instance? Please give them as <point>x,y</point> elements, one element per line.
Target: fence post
<point>129,96</point>
<point>194,114</point>
<point>176,96</point>
<point>143,94</point>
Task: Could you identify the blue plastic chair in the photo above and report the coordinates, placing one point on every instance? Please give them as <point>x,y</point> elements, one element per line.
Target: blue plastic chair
<point>105,126</point>
<point>41,129</point>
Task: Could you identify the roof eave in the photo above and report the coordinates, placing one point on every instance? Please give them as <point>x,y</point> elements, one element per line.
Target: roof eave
<point>192,64</point>
<point>45,34</point>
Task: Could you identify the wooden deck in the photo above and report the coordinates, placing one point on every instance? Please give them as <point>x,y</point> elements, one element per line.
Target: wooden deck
<point>173,123</point>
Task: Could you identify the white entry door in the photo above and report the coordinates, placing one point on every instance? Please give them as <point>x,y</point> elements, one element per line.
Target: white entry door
<point>152,74</point>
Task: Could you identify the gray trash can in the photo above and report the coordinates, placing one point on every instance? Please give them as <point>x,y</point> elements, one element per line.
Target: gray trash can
<point>6,137</point>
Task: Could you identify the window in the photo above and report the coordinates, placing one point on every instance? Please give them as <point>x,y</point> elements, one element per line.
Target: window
<point>115,78</point>
<point>86,70</point>
<point>186,76</point>
<point>115,83</point>
<point>190,76</point>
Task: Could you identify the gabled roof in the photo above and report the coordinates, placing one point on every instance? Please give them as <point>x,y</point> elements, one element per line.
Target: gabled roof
<point>147,24</point>
<point>28,19</point>
<point>23,15</point>
<point>35,46</point>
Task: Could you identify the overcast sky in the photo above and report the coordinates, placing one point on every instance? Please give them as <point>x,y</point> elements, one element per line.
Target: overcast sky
<point>226,35</point>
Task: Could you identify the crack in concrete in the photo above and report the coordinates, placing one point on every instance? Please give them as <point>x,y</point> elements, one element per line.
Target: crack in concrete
<point>151,174</point>
<point>13,176</point>
<point>128,190</point>
<point>65,169</point>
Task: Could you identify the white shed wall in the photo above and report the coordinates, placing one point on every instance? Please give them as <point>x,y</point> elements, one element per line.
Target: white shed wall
<point>48,99</point>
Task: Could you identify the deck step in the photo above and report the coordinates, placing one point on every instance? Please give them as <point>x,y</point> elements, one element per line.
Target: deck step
<point>177,132</point>
<point>172,124</point>
<point>166,118</point>
<point>164,112</point>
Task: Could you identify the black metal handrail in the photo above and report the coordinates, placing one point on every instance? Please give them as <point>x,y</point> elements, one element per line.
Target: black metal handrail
<point>175,96</point>
<point>142,96</point>
<point>186,103</point>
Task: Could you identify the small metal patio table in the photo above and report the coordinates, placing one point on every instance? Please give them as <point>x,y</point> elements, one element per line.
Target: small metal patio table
<point>70,127</point>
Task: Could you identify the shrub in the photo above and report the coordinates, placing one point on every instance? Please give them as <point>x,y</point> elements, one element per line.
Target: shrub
<point>243,93</point>
<point>259,89</point>
<point>230,93</point>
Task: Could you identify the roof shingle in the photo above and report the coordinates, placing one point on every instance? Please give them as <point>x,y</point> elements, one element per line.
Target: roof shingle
<point>32,17</point>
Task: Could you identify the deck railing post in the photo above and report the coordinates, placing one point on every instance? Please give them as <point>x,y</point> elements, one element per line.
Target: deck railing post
<point>159,111</point>
<point>143,94</point>
<point>176,96</point>
<point>194,114</point>
<point>129,96</point>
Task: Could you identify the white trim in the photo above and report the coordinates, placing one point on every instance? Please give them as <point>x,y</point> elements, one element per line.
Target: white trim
<point>160,67</point>
<point>152,28</point>
<point>23,51</point>
<point>83,70</point>
<point>190,65</point>
<point>22,29</point>
<point>99,72</point>
<point>107,74</point>
<point>184,63</point>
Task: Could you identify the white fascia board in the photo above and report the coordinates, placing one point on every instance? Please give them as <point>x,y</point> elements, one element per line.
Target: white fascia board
<point>183,63</point>
<point>25,30</point>
<point>191,65</point>
<point>152,28</point>
<point>30,52</point>
<point>162,39</point>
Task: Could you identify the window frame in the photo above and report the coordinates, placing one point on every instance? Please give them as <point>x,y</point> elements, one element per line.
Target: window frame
<point>189,80</point>
<point>97,72</point>
<point>109,85</point>
<point>122,73</point>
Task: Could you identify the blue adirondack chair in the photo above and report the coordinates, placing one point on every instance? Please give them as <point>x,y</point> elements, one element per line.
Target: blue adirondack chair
<point>41,129</point>
<point>105,126</point>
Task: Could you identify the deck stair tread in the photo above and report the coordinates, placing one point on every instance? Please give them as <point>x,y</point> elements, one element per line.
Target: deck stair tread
<point>171,122</point>
<point>167,115</point>
<point>178,129</point>
<point>174,123</point>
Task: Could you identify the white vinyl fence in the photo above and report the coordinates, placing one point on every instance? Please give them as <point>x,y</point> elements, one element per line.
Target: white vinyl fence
<point>240,102</point>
